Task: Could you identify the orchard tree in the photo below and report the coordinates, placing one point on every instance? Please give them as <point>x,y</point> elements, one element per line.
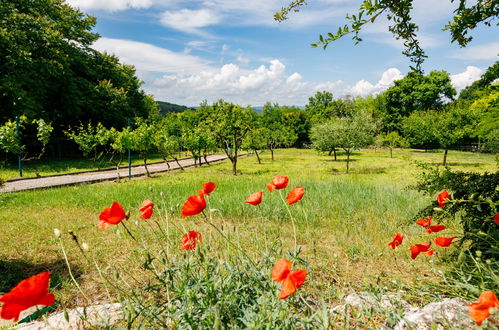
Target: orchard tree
<point>9,141</point>
<point>418,129</point>
<point>228,125</point>
<point>255,141</point>
<point>467,16</point>
<point>167,145</point>
<point>325,137</point>
<point>43,133</point>
<point>392,140</point>
<point>93,141</point>
<point>143,140</point>
<point>121,142</point>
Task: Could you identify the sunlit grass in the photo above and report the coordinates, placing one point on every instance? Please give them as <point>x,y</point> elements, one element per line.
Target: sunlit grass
<point>343,223</point>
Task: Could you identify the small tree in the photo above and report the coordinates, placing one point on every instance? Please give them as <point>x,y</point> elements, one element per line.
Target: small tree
<point>418,129</point>
<point>121,141</point>
<point>143,141</point>
<point>9,142</point>
<point>255,141</point>
<point>278,135</point>
<point>325,137</point>
<point>167,145</point>
<point>392,140</point>
<point>43,133</point>
<point>92,141</point>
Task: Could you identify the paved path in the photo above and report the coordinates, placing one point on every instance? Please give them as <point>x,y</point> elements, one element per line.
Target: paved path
<point>96,176</point>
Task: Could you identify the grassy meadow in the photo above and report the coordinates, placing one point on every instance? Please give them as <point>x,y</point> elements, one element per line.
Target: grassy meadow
<point>343,223</point>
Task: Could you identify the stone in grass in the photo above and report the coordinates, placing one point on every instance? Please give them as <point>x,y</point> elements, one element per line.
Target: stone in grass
<point>445,314</point>
<point>389,302</point>
<point>105,315</point>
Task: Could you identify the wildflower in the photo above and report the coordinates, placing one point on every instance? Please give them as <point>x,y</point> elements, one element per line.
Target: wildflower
<point>295,195</point>
<point>397,240</point>
<point>424,223</point>
<point>208,187</point>
<point>28,293</point>
<point>421,248</point>
<point>443,241</point>
<point>280,182</point>
<point>435,229</point>
<point>255,198</point>
<point>57,233</point>
<point>443,198</point>
<point>85,246</point>
<point>480,311</point>
<point>190,239</point>
<point>291,281</point>
<point>146,208</point>
<point>195,204</point>
<point>111,216</point>
<point>496,219</point>
<point>270,186</point>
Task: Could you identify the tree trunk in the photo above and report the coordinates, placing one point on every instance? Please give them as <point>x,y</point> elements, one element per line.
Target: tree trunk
<point>144,157</point>
<point>445,157</point>
<point>348,161</point>
<point>234,165</point>
<point>206,159</point>
<point>178,163</point>
<point>258,156</point>
<point>272,153</point>
<point>334,150</point>
<point>391,152</point>
<point>330,152</point>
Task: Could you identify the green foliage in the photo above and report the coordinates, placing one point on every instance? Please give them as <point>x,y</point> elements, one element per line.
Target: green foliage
<point>392,140</point>
<point>418,129</point>
<point>322,107</point>
<point>166,107</point>
<point>325,137</point>
<point>91,140</point>
<point>398,13</point>
<point>204,291</point>
<point>43,131</point>
<point>415,92</point>
<point>474,203</point>
<point>9,141</point>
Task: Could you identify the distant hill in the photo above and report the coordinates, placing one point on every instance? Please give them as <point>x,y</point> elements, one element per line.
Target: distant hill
<point>165,107</point>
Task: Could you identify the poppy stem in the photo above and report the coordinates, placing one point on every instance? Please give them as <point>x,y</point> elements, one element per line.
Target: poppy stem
<point>292,218</point>
<point>128,231</point>
<point>70,272</point>
<point>396,262</point>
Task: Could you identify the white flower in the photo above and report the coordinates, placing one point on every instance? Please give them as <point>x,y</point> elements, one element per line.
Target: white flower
<point>57,233</point>
<point>85,246</point>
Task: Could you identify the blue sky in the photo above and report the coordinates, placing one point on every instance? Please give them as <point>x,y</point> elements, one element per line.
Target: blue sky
<point>191,50</point>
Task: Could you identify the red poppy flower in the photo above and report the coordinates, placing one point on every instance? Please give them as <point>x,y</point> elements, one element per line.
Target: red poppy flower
<point>208,187</point>
<point>443,198</point>
<point>443,241</point>
<point>424,223</point>
<point>496,219</point>
<point>435,229</point>
<point>28,293</point>
<point>255,198</point>
<point>295,195</point>
<point>190,239</point>
<point>280,182</point>
<point>112,215</point>
<point>480,311</point>
<point>146,209</point>
<point>291,281</point>
<point>420,248</point>
<point>270,186</point>
<point>195,204</point>
<point>397,240</point>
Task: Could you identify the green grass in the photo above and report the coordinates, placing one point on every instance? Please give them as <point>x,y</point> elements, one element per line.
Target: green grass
<point>53,166</point>
<point>343,223</point>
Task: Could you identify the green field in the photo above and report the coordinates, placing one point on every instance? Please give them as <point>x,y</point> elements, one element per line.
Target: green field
<point>343,223</point>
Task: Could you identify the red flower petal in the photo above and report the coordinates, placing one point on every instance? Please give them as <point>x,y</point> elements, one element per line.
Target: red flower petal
<point>280,182</point>
<point>443,198</point>
<point>255,198</point>
<point>429,252</point>
<point>208,187</point>
<point>195,204</point>
<point>443,241</point>
<point>295,195</point>
<point>281,270</point>
<point>28,293</point>
<point>190,239</point>
<point>146,204</point>
<point>113,215</point>
<point>496,219</point>
<point>147,213</point>
<point>423,222</point>
<point>292,282</point>
<point>397,240</point>
<point>435,229</point>
<point>270,186</point>
<point>414,251</point>
<point>480,311</point>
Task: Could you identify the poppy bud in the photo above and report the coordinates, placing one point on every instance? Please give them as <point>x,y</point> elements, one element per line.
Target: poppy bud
<point>478,253</point>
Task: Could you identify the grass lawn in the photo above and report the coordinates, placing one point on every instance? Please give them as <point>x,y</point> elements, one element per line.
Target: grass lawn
<point>343,223</point>
<point>67,165</point>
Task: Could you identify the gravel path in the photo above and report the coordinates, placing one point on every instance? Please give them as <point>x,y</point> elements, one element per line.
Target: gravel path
<point>97,176</point>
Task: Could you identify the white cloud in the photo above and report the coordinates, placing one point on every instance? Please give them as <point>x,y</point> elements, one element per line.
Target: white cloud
<point>188,20</point>
<point>466,78</point>
<point>111,5</point>
<point>147,57</point>
<point>488,51</point>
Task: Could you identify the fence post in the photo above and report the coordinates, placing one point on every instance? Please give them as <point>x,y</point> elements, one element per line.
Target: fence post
<point>19,157</point>
<point>129,159</point>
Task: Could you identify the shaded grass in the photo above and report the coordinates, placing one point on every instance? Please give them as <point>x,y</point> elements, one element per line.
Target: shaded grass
<point>344,222</point>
